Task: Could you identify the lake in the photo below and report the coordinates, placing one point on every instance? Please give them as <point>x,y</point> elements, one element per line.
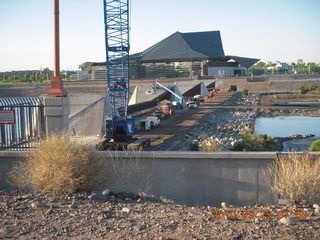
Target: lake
<point>286,126</point>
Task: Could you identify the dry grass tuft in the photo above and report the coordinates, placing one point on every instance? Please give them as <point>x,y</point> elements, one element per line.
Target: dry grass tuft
<point>210,145</point>
<point>58,166</point>
<point>295,177</point>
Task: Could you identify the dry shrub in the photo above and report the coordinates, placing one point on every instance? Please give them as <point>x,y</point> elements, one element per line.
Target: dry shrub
<point>295,177</point>
<point>210,145</point>
<point>58,166</point>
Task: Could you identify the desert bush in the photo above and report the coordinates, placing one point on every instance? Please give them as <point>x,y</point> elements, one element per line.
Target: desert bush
<point>194,146</point>
<point>57,166</point>
<point>295,177</point>
<point>210,145</point>
<point>302,90</point>
<point>245,92</point>
<point>315,146</point>
<point>253,142</point>
<point>311,89</point>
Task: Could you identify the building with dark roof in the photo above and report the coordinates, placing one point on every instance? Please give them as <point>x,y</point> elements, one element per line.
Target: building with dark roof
<point>196,54</point>
<point>188,55</point>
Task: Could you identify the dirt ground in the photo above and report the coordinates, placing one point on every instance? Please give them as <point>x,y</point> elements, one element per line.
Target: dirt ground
<point>73,87</point>
<point>173,129</point>
<point>76,216</point>
<point>269,99</point>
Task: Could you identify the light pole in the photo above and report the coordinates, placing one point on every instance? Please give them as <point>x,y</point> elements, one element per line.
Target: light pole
<point>57,89</point>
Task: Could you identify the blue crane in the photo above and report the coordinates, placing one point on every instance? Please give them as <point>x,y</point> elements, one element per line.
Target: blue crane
<point>119,126</point>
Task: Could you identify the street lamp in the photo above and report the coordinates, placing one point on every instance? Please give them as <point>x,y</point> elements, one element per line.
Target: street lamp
<point>57,89</point>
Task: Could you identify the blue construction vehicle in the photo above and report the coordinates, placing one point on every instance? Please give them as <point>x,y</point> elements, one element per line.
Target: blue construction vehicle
<point>120,126</point>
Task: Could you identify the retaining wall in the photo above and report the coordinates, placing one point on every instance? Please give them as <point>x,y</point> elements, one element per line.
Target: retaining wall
<point>185,177</point>
<point>192,178</point>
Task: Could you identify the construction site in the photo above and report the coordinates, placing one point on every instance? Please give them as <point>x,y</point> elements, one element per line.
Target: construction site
<point>173,142</point>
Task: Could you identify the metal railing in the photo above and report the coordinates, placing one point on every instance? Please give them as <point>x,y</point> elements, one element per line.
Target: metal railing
<point>29,125</point>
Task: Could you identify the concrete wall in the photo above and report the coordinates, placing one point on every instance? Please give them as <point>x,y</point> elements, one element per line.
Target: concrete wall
<point>225,71</point>
<point>86,114</point>
<point>185,177</point>
<point>78,102</point>
<point>198,178</point>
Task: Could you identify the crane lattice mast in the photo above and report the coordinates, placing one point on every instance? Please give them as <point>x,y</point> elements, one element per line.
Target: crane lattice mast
<point>116,19</point>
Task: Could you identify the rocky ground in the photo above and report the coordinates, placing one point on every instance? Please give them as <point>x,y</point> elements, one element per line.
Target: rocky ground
<point>224,126</point>
<point>121,216</point>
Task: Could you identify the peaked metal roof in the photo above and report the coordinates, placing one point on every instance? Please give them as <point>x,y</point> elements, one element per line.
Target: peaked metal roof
<point>246,62</point>
<point>184,45</point>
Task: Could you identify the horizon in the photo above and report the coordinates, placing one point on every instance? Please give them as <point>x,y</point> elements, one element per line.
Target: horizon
<point>268,30</point>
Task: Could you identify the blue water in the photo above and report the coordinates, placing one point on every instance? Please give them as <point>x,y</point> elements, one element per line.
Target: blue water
<point>287,126</point>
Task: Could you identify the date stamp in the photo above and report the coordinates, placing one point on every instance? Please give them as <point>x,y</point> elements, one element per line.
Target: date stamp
<point>260,214</point>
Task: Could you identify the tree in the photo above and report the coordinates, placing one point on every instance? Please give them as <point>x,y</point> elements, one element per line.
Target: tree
<point>300,62</point>
<point>46,70</point>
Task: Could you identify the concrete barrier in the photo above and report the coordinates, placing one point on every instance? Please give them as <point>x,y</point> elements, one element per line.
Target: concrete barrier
<point>86,114</point>
<point>185,177</point>
<point>192,178</point>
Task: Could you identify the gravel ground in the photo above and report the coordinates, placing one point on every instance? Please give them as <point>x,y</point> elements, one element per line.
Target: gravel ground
<point>79,216</point>
<point>224,126</point>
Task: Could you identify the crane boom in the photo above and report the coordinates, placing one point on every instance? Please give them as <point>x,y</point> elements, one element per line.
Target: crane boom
<point>116,20</point>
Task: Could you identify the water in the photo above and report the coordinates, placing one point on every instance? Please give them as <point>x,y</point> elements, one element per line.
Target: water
<point>286,126</point>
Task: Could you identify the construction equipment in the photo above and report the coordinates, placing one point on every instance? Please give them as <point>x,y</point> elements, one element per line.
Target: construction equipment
<point>119,127</point>
<point>180,98</point>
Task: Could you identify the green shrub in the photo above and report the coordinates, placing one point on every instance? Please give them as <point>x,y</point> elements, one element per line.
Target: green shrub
<point>194,146</point>
<point>253,142</point>
<point>315,146</point>
<point>302,90</point>
<point>245,92</point>
<point>312,89</point>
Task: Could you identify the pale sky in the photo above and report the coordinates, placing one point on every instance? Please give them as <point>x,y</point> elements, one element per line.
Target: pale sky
<point>271,30</point>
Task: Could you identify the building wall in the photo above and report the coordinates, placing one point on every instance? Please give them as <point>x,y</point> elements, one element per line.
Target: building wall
<point>226,71</point>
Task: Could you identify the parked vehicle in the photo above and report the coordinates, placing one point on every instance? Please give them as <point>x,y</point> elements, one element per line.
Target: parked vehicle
<point>143,125</point>
<point>176,105</point>
<point>154,121</point>
<point>159,114</point>
<point>198,99</point>
<point>192,104</point>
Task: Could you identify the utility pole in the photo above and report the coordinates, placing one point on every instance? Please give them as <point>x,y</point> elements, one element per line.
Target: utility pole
<point>57,89</point>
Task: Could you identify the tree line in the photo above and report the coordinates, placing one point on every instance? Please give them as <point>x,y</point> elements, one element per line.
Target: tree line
<point>34,76</point>
<point>299,67</point>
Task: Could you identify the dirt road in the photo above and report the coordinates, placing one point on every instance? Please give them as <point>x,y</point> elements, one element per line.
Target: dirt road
<point>175,128</point>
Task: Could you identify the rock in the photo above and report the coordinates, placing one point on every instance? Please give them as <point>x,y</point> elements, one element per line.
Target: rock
<point>5,231</point>
<point>131,195</point>
<point>34,205</point>
<point>98,197</point>
<point>288,220</point>
<point>73,206</point>
<point>125,210</point>
<point>225,205</point>
<point>140,228</point>
<point>105,192</point>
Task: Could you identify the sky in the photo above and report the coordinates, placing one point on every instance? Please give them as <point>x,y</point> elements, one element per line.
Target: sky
<point>271,30</point>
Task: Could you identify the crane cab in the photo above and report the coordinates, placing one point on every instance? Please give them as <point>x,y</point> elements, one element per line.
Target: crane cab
<point>120,130</point>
